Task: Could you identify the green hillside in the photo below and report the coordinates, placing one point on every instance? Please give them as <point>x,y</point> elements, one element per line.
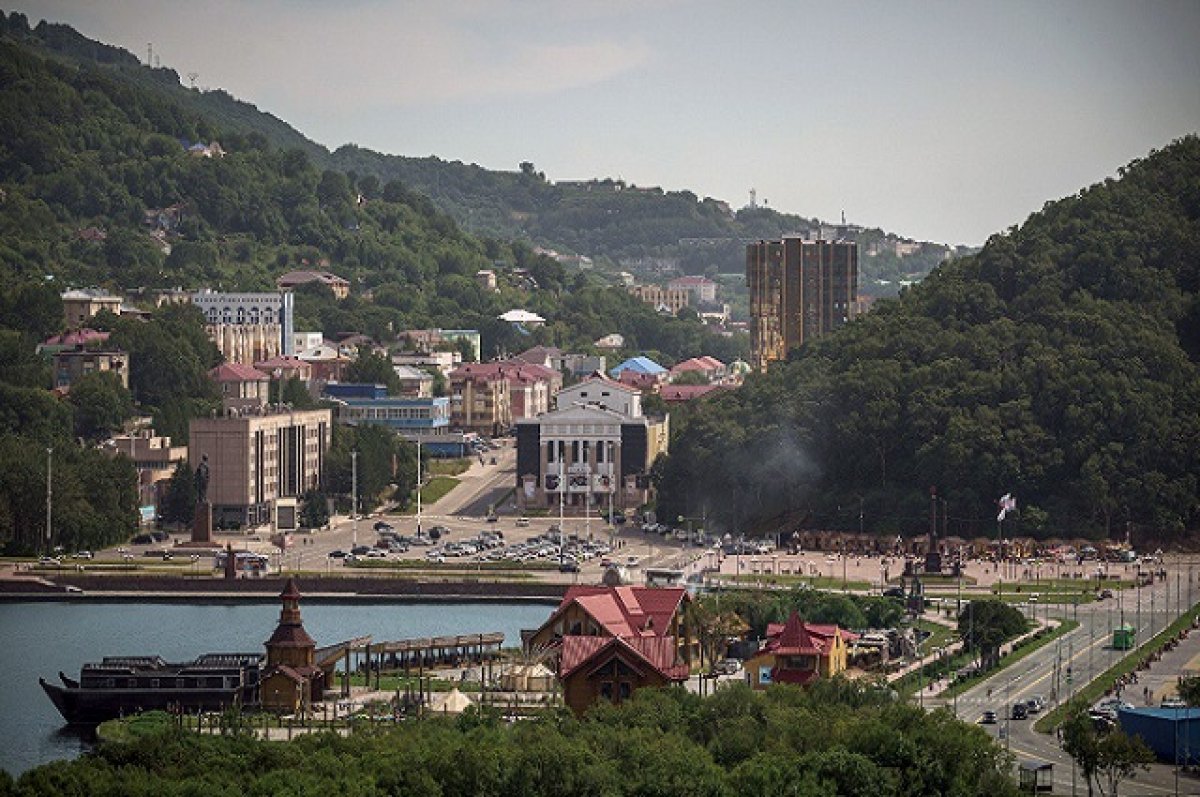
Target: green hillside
<point>1059,364</point>
<point>617,224</point>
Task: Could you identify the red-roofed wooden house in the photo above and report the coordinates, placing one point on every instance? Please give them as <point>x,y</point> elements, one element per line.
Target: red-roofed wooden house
<point>797,652</point>
<point>609,641</point>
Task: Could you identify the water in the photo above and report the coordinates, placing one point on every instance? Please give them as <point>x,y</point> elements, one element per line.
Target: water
<point>39,639</point>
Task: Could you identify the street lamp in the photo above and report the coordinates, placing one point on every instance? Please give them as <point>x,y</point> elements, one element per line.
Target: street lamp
<point>354,497</point>
<point>49,496</point>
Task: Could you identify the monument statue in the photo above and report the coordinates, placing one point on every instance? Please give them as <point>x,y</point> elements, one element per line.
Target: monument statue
<point>202,480</point>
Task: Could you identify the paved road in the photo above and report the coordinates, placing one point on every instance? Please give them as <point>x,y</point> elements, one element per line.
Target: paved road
<point>1088,652</point>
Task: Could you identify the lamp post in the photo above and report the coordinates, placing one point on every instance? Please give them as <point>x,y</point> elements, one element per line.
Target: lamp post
<point>419,488</point>
<point>354,498</point>
<point>49,498</point>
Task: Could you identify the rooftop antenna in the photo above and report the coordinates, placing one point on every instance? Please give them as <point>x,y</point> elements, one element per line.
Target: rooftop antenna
<point>843,218</point>
<point>192,77</point>
<point>149,53</point>
<point>753,198</point>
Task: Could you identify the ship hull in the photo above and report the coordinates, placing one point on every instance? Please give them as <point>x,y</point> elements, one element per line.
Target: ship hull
<point>93,706</point>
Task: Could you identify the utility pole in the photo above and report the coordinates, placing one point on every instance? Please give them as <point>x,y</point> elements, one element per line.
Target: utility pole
<point>49,499</point>
<point>419,488</point>
<point>354,498</point>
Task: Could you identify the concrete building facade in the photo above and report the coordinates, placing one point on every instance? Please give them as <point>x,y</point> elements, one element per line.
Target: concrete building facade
<point>249,327</point>
<point>81,304</point>
<point>255,458</point>
<point>799,290</point>
<point>72,365</point>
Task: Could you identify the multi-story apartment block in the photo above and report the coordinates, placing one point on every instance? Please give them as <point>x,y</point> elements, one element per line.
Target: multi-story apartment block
<point>256,458</point>
<point>674,299</point>
<point>702,289</point>
<point>81,304</point>
<point>799,290</point>
<point>249,327</point>
<point>73,364</point>
<point>489,397</point>
<point>602,392</point>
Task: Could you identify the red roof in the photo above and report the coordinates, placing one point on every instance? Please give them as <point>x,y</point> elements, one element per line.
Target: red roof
<point>75,337</point>
<point>626,611</point>
<point>658,653</point>
<point>237,372</point>
<point>797,638</point>
<point>688,392</point>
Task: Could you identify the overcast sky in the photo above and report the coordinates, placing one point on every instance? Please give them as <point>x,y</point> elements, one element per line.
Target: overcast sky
<point>944,121</point>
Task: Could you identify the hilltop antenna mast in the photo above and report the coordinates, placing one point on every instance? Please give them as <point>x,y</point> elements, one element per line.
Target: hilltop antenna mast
<point>753,199</point>
<point>192,77</point>
<point>149,54</point>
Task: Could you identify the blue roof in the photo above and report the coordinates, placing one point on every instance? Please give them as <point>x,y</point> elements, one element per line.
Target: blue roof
<point>640,365</point>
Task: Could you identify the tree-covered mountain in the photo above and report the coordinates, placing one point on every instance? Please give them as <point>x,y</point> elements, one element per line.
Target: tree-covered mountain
<point>1058,364</point>
<point>618,224</point>
<point>99,187</point>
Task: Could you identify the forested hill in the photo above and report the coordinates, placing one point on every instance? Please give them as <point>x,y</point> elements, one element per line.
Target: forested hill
<point>99,188</point>
<point>1059,364</point>
<point>616,223</point>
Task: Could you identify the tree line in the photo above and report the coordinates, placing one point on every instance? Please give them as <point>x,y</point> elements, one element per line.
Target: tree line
<point>836,737</point>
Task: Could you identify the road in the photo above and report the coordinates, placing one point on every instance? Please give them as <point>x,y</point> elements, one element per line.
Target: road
<point>1088,652</point>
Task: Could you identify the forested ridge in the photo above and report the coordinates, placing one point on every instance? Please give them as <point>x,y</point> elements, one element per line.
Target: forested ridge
<point>1058,364</point>
<point>100,190</point>
<point>603,218</point>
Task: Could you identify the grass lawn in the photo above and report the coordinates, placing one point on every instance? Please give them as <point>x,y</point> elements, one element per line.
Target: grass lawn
<point>433,490</point>
<point>447,467</point>
<point>816,582</point>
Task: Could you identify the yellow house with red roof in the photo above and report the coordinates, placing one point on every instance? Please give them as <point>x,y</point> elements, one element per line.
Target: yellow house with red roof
<point>797,652</point>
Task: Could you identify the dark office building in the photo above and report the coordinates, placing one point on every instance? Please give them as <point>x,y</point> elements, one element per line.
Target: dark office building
<point>799,290</point>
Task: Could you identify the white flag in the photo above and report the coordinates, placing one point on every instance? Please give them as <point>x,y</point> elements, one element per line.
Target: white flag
<point>1007,504</point>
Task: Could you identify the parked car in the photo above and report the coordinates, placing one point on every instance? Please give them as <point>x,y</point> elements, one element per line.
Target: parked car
<point>435,534</point>
<point>360,550</point>
<point>568,567</point>
<point>988,718</point>
<point>522,521</point>
<point>337,553</point>
<point>383,525</point>
<point>727,667</point>
<point>1172,702</point>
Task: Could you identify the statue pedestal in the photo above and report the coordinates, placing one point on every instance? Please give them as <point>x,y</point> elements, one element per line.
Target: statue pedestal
<point>202,525</point>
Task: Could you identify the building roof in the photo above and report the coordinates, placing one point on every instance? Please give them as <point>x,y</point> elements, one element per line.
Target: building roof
<point>626,611</point>
<point>613,341</point>
<point>656,653</point>
<point>76,337</point>
<point>303,276</point>
<point>539,355</point>
<point>512,370</point>
<point>237,372</point>
<point>798,638</point>
<point>410,372</point>
<point>282,362</point>
<point>606,381</point>
<point>521,317</point>
<point>688,392</point>
<point>639,364</point>
<point>703,363</point>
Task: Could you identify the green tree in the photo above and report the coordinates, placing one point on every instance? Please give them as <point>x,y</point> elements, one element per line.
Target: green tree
<point>102,405</point>
<point>179,499</point>
<point>985,625</point>
<point>374,369</point>
<point>314,509</point>
<point>1104,757</point>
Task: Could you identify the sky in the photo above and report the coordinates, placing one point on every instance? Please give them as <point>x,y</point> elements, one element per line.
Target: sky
<point>943,121</point>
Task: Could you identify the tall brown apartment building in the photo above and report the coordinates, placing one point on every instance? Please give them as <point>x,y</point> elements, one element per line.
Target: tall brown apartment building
<point>258,456</point>
<point>799,290</point>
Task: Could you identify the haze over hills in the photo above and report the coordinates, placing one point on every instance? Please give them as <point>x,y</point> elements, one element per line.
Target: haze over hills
<point>619,226</point>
